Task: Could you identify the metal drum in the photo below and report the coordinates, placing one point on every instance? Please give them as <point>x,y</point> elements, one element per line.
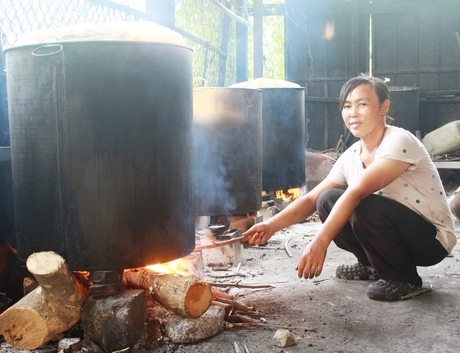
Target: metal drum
<point>101,141</point>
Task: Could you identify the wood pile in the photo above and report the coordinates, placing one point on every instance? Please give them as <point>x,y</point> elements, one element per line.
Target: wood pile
<point>172,308</point>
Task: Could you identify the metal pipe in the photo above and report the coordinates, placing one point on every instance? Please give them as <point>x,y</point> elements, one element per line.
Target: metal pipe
<point>230,13</point>
<point>258,39</point>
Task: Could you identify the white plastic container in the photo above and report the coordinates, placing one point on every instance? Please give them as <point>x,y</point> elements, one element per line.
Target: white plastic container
<point>444,139</point>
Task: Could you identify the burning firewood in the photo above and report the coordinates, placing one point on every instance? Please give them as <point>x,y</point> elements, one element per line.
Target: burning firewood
<point>187,296</point>
<point>51,308</point>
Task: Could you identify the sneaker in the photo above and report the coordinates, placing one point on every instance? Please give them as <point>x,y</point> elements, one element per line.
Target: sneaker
<point>356,272</point>
<point>390,290</point>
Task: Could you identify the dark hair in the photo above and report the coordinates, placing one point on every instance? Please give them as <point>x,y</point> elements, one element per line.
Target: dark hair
<point>380,88</point>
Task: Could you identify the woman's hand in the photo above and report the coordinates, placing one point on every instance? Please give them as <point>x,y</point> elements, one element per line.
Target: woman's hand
<point>312,260</point>
<point>258,233</point>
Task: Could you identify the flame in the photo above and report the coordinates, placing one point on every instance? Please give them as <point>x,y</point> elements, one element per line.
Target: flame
<point>183,266</point>
<point>288,195</point>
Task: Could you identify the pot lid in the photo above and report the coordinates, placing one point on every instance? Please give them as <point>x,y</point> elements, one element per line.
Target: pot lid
<point>142,31</point>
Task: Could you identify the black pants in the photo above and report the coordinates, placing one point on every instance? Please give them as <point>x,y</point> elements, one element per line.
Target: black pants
<point>387,235</point>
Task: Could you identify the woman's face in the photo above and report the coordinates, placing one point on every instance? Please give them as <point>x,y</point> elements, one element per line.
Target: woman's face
<point>362,112</point>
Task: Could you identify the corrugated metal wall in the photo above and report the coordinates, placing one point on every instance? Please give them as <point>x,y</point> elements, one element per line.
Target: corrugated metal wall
<point>417,46</point>
<point>413,44</point>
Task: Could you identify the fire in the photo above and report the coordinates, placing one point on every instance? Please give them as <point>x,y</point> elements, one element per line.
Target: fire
<point>190,265</point>
<point>289,194</point>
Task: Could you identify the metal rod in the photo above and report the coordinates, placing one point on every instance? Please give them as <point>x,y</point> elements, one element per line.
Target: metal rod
<point>230,13</point>
<point>241,45</point>
<point>141,15</point>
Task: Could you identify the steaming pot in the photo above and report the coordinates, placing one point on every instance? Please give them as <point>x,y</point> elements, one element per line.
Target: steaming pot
<point>227,162</point>
<point>101,140</point>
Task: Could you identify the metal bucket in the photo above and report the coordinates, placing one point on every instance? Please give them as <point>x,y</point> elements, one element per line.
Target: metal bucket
<point>404,107</point>
<point>101,140</point>
<point>227,125</point>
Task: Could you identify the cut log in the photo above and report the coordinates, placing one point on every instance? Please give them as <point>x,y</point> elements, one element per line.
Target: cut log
<point>51,308</point>
<point>187,296</point>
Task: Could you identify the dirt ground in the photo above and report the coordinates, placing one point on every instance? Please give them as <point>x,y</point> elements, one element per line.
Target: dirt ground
<point>331,315</point>
<point>328,314</point>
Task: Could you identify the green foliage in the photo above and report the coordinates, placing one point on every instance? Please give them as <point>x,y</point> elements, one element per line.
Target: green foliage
<point>205,20</point>
<point>273,43</point>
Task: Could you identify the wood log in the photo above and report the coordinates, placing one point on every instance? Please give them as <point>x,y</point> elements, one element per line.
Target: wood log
<point>187,296</point>
<point>51,308</point>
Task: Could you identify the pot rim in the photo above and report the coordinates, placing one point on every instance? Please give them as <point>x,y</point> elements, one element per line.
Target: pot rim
<point>99,42</point>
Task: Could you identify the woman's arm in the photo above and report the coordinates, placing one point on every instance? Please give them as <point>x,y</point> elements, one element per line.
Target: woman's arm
<point>297,211</point>
<point>379,174</point>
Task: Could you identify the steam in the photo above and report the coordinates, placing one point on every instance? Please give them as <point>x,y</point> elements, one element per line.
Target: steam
<point>212,175</point>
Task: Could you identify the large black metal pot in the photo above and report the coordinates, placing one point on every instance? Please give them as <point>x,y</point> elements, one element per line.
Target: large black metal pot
<point>4,129</point>
<point>101,141</point>
<point>283,138</point>
<point>227,125</point>
<point>6,197</point>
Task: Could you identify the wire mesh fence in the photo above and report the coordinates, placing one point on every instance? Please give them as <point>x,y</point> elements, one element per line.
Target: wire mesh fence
<point>213,32</point>
<point>23,16</point>
<point>213,61</point>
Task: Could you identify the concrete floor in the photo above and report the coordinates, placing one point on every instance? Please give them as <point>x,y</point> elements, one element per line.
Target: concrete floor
<point>333,315</point>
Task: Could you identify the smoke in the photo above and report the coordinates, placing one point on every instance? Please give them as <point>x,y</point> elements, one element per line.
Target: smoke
<point>212,174</point>
<point>227,153</point>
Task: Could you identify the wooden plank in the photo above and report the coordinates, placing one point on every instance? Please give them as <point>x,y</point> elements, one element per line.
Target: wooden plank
<point>384,43</point>
<point>447,164</point>
<point>316,126</point>
<point>337,50</point>
<point>429,17</point>
<point>328,7</point>
<point>406,43</point>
